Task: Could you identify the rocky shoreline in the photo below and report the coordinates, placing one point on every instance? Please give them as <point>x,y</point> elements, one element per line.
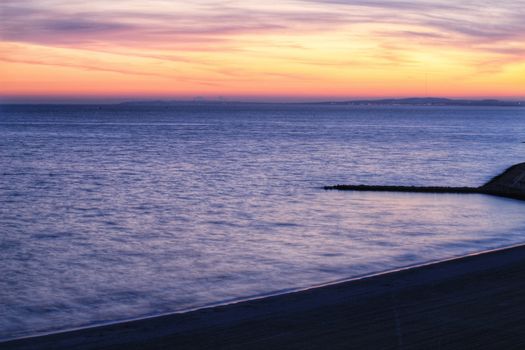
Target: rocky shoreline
<point>510,184</point>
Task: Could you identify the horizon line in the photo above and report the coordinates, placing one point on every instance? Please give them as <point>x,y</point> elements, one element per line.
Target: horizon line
<point>77,100</point>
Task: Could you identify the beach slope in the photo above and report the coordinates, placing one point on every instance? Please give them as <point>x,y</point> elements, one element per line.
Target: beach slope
<point>474,302</point>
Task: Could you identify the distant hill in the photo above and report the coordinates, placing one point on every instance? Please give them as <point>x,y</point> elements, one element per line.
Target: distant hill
<point>427,101</point>
<point>414,101</point>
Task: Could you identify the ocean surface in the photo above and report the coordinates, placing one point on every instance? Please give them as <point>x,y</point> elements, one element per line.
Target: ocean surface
<point>110,213</point>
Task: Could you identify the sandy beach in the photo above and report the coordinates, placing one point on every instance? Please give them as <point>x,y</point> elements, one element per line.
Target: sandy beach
<point>474,302</point>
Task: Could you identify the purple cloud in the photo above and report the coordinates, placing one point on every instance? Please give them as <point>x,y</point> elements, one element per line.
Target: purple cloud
<point>225,26</point>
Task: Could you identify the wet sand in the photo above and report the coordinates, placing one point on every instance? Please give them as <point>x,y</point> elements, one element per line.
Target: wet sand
<point>475,302</point>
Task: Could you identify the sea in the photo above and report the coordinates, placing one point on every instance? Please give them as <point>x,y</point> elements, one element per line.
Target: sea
<point>118,212</point>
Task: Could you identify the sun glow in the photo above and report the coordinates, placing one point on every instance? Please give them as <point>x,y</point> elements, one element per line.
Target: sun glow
<point>308,49</point>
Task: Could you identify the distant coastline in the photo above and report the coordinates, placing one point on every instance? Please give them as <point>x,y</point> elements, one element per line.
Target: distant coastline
<point>413,101</point>
<point>430,101</point>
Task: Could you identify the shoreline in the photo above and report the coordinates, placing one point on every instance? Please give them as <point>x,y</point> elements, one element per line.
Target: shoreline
<point>225,326</point>
<point>276,293</point>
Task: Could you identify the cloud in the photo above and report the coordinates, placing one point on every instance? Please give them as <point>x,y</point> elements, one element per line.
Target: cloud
<point>477,20</point>
<point>416,5</point>
<point>33,22</point>
<point>230,26</point>
<point>64,22</point>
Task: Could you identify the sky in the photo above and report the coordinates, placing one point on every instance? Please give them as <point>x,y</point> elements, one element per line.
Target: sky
<point>253,49</point>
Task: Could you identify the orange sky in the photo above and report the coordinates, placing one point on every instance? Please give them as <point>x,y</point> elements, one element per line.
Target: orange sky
<point>245,49</point>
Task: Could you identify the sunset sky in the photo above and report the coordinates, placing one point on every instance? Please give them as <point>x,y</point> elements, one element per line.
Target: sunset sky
<point>303,49</point>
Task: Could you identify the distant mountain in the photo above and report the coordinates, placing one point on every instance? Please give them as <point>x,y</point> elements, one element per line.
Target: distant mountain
<point>427,101</point>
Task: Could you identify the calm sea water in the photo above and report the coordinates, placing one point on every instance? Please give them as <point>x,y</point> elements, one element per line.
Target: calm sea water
<point>116,212</point>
